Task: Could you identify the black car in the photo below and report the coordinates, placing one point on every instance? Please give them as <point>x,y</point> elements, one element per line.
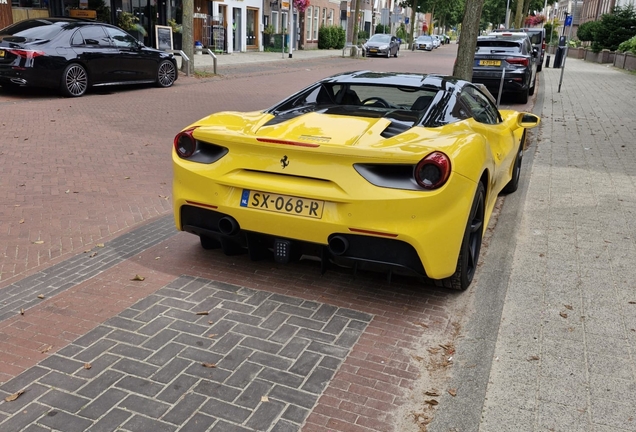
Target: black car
<point>73,55</point>
<point>382,45</point>
<point>537,38</point>
<point>511,54</point>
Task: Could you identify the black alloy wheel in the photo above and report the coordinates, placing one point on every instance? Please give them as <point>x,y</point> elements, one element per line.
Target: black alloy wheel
<point>74,81</point>
<point>513,184</point>
<point>166,74</point>
<point>471,244</point>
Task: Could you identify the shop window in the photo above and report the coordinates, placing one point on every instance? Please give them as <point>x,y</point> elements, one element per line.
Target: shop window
<point>308,22</point>
<point>316,18</point>
<point>330,20</point>
<point>324,17</point>
<point>275,21</point>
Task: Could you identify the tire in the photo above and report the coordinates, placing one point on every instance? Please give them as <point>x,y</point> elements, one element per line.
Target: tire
<point>388,53</point>
<point>471,244</point>
<point>74,80</point>
<point>9,87</point>
<point>523,96</point>
<point>531,90</point>
<point>397,52</point>
<point>513,184</point>
<point>166,74</point>
<point>540,66</point>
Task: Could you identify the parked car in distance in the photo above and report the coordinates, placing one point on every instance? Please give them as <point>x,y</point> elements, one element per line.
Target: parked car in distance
<point>511,54</point>
<point>423,42</point>
<point>388,172</point>
<point>436,41</point>
<point>381,45</point>
<point>537,38</point>
<point>72,55</point>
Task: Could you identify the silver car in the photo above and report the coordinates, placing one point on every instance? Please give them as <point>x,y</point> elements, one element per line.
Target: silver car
<point>382,45</point>
<point>423,42</point>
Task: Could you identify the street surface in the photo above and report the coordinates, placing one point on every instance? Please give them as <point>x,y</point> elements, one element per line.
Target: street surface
<point>110,336</point>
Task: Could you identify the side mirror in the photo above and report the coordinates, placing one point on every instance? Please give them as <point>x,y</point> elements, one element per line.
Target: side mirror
<point>527,120</point>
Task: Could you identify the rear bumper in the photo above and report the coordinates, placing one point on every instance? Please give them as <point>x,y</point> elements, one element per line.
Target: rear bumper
<point>26,77</point>
<point>514,81</point>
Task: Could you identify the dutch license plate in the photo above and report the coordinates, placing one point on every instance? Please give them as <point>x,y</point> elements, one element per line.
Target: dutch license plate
<point>489,62</point>
<point>1,53</point>
<point>282,204</point>
<point>373,50</point>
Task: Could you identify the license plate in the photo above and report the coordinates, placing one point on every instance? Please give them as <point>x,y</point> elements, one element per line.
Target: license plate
<point>282,204</point>
<point>372,50</point>
<point>1,53</point>
<point>489,62</point>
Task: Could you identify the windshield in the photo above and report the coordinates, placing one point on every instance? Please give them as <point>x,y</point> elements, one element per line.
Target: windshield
<point>380,38</point>
<point>535,37</point>
<point>424,38</point>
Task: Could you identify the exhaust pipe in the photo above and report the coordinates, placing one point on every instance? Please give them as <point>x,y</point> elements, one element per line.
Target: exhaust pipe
<point>228,226</point>
<point>18,81</point>
<point>338,245</point>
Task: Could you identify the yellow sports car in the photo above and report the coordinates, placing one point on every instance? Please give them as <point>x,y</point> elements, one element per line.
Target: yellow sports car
<point>393,172</point>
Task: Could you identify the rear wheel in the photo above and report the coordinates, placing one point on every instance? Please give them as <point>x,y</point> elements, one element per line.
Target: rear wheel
<point>523,96</point>
<point>74,81</point>
<point>166,74</point>
<point>471,244</point>
<point>397,52</point>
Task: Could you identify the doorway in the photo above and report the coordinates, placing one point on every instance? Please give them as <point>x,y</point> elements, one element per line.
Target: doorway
<point>250,29</point>
<point>236,30</point>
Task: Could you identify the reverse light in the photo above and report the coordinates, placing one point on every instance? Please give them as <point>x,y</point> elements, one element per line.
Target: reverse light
<point>185,144</point>
<point>27,54</point>
<point>433,171</point>
<point>518,61</point>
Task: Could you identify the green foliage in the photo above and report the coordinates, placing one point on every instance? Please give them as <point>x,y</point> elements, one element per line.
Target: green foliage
<point>129,22</point>
<point>176,28</point>
<point>363,35</point>
<point>615,28</point>
<point>628,45</point>
<point>382,29</point>
<point>551,35</point>
<point>400,33</point>
<point>331,37</point>
<point>268,30</point>
<point>586,31</point>
<point>103,11</point>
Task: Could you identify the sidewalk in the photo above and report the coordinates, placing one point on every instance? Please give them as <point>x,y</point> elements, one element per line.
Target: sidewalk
<point>565,355</point>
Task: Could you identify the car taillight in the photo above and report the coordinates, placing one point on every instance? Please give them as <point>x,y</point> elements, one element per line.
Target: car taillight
<point>185,144</point>
<point>543,45</point>
<point>27,54</point>
<point>518,61</point>
<point>433,171</point>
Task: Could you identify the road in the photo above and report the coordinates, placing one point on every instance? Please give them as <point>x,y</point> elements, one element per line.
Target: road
<point>86,188</point>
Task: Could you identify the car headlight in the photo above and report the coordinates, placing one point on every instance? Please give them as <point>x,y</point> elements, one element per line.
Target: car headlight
<point>383,47</point>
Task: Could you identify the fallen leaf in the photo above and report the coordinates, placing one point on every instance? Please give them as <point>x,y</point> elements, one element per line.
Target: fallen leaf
<point>568,307</point>
<point>38,242</point>
<point>210,322</point>
<point>100,245</point>
<point>87,251</point>
<point>534,357</point>
<point>209,365</point>
<point>21,221</point>
<point>87,365</point>
<point>21,311</point>
<point>126,178</point>
<point>202,313</point>
<point>452,392</point>
<point>67,191</point>
<point>212,335</point>
<point>632,302</point>
<point>563,314</point>
<point>431,402</point>
<point>419,323</point>
<point>14,396</point>
<point>138,278</point>
<point>41,296</point>
<point>157,258</point>
<point>94,254</point>
<point>47,349</point>
<point>264,399</point>
<point>432,392</point>
<point>433,350</point>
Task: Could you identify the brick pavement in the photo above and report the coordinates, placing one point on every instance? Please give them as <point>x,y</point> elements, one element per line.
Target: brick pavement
<point>110,158</point>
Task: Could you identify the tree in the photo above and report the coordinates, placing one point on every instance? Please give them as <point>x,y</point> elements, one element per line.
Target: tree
<point>470,30</point>
<point>356,17</point>
<point>188,34</point>
<point>614,28</point>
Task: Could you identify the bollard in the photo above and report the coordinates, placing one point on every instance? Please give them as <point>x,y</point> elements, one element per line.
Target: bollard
<point>547,61</point>
<point>198,47</point>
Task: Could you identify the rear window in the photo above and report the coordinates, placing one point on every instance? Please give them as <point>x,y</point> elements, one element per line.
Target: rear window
<point>535,37</point>
<point>36,29</point>
<point>496,46</point>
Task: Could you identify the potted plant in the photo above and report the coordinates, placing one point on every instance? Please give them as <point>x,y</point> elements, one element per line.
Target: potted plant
<point>130,23</point>
<point>177,37</point>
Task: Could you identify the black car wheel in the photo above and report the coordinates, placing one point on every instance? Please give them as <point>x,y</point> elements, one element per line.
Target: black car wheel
<point>523,96</point>
<point>74,80</point>
<point>471,244</point>
<point>9,87</point>
<point>166,74</point>
<point>513,184</point>
<point>534,81</point>
<point>397,52</point>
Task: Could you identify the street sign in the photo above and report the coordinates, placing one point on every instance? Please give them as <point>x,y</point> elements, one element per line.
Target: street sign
<point>568,21</point>
<point>406,20</point>
<point>384,17</point>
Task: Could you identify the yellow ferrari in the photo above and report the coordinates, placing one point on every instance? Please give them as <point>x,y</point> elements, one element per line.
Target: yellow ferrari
<point>392,172</point>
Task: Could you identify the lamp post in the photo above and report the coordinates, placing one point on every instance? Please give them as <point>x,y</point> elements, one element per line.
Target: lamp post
<point>508,14</point>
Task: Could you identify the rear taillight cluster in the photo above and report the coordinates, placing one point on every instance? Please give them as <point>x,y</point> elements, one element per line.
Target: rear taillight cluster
<point>23,53</point>
<point>433,171</point>
<point>185,144</point>
<point>543,45</point>
<point>517,61</point>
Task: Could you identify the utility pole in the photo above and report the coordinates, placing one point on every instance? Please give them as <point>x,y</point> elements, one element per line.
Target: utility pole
<point>567,45</point>
<point>292,30</point>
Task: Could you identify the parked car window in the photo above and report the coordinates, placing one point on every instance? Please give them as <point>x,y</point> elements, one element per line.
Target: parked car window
<point>34,29</point>
<point>480,107</point>
<point>95,35</point>
<point>121,39</point>
<point>77,38</point>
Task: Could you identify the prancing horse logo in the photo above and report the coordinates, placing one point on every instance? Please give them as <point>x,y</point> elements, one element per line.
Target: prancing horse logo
<point>284,162</point>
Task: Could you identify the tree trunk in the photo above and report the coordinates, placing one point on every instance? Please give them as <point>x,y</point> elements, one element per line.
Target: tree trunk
<point>412,38</point>
<point>356,20</point>
<point>519,14</point>
<point>188,33</point>
<point>468,40</point>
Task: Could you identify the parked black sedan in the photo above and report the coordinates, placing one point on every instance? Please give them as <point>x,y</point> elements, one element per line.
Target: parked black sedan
<point>510,54</point>
<point>382,45</point>
<point>73,55</point>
